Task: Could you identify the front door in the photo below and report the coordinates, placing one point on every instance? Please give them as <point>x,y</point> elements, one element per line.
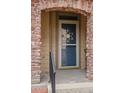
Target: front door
<point>68,44</point>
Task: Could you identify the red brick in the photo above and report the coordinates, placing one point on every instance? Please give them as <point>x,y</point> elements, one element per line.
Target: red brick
<point>39,90</point>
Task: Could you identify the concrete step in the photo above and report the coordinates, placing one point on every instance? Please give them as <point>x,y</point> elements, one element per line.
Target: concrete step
<point>85,87</point>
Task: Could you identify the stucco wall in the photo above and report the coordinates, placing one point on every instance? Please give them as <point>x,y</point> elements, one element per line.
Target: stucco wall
<point>53,35</point>
<point>54,38</point>
<point>50,38</point>
<point>82,40</point>
<point>45,31</point>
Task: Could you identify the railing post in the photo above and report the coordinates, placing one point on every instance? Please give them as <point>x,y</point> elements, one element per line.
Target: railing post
<point>52,73</point>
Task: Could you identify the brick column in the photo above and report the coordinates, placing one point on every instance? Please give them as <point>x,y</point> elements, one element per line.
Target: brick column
<point>89,46</point>
<point>35,42</point>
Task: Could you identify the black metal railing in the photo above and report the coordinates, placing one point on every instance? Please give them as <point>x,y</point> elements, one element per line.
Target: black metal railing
<point>52,71</point>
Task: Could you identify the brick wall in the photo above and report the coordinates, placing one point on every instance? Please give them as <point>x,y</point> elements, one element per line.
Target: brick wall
<point>35,42</point>
<point>77,6</point>
<point>89,46</point>
<point>39,90</point>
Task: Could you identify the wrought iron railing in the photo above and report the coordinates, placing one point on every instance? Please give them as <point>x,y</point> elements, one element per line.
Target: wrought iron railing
<point>52,72</point>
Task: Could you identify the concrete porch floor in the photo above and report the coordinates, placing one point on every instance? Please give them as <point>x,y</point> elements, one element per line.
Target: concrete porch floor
<point>71,76</point>
<point>67,81</point>
<point>72,81</point>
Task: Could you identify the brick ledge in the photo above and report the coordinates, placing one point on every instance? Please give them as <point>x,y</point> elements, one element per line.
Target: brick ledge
<point>45,84</point>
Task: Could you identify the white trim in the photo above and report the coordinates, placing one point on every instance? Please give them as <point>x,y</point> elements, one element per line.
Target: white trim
<point>70,44</point>
<point>77,43</point>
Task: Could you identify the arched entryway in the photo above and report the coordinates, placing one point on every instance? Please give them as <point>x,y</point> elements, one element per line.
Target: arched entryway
<point>44,14</point>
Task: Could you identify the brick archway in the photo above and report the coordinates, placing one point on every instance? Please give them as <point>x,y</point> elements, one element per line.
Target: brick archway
<point>79,6</point>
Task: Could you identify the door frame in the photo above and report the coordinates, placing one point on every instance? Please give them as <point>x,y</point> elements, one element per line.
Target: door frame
<point>77,44</point>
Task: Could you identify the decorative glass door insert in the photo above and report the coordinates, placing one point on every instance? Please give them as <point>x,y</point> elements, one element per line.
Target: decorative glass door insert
<point>68,44</point>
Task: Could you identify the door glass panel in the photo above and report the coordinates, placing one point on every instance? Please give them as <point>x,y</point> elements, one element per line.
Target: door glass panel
<point>69,56</point>
<point>68,33</point>
<point>68,45</point>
